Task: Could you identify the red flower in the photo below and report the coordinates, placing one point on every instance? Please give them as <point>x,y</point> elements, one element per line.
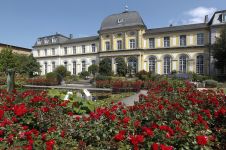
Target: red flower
<point>49,144</point>
<point>202,140</point>
<point>62,134</point>
<point>44,109</point>
<point>163,147</point>
<point>155,146</point>
<point>147,131</point>
<point>20,109</point>
<point>1,114</point>
<point>120,136</point>
<point>126,120</point>
<point>136,139</point>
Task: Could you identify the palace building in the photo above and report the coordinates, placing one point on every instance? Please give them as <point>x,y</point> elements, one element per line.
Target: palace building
<point>183,48</point>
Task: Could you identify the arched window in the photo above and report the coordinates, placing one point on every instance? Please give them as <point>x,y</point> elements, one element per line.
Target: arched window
<point>45,68</point>
<point>83,66</point>
<point>53,65</point>
<point>167,65</point>
<point>152,64</point>
<point>183,62</point>
<point>199,64</point>
<point>65,65</point>
<point>132,65</point>
<point>74,67</point>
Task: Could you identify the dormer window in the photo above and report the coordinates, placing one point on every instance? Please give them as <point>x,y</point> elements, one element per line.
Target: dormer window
<point>53,40</point>
<point>224,17</point>
<point>46,41</point>
<point>120,20</point>
<point>39,42</point>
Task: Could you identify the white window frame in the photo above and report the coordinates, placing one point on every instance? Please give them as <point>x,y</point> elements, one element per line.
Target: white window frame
<point>200,38</point>
<point>132,43</point>
<point>83,49</point>
<point>151,42</point>
<point>93,47</point>
<point>183,64</point>
<point>183,40</point>
<point>119,44</point>
<point>166,40</point>
<point>107,45</point>
<point>167,68</point>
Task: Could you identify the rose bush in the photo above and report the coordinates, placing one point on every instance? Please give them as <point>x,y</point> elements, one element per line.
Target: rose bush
<point>174,115</point>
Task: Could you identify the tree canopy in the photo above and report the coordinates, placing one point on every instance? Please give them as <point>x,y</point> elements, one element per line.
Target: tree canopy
<point>105,67</point>
<point>219,50</point>
<point>23,64</point>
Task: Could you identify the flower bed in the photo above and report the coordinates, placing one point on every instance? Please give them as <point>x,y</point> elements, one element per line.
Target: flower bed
<point>174,115</point>
<point>42,81</point>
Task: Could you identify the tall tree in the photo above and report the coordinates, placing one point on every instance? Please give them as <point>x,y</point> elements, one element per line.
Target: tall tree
<point>7,59</point>
<point>219,50</point>
<point>121,66</point>
<point>105,67</point>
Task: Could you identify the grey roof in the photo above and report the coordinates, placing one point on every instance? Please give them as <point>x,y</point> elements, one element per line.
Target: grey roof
<point>211,20</point>
<point>176,28</point>
<point>82,39</point>
<point>129,18</point>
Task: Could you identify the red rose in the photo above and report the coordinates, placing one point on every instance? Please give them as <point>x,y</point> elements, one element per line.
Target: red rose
<point>164,147</point>
<point>20,109</point>
<point>44,109</point>
<point>202,140</point>
<point>155,146</point>
<point>49,144</point>
<point>1,114</point>
<point>126,120</point>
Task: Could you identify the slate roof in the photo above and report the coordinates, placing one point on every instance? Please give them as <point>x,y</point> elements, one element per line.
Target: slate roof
<point>82,39</point>
<point>129,18</point>
<point>15,47</point>
<point>176,28</point>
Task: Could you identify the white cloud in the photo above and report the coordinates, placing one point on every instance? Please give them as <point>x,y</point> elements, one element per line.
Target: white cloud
<point>197,15</point>
<point>192,16</point>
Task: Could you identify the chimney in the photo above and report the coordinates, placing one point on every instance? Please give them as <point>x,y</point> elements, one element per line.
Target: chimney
<point>206,19</point>
<point>70,36</point>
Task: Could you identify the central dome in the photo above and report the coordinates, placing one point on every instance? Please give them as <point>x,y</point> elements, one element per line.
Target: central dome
<point>125,19</point>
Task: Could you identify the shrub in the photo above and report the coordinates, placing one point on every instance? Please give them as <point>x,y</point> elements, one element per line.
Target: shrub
<point>105,67</point>
<point>93,69</point>
<point>121,66</point>
<point>84,74</point>
<point>61,72</point>
<point>173,72</point>
<point>101,77</point>
<point>210,83</point>
<point>142,75</point>
<point>52,78</point>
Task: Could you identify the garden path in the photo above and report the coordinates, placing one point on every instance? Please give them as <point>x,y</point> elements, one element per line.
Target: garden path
<point>129,101</point>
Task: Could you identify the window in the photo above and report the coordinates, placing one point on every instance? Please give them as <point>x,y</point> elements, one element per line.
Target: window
<point>119,44</point>
<point>83,66</point>
<point>93,62</point>
<point>199,64</point>
<point>120,20</point>
<point>132,43</point>
<point>167,41</point>
<point>74,49</point>
<point>39,42</point>
<point>38,51</point>
<point>224,17</point>
<point>45,52</point>
<point>182,40</point>
<point>200,39</point>
<point>152,64</point>
<point>53,51</point>
<point>83,49</point>
<point>54,40</point>
<point>53,66</point>
<point>45,67</point>
<point>151,43</point>
<point>46,41</point>
<point>132,65</point>
<point>74,67</point>
<point>183,64</point>
<point>65,64</point>
<point>167,65</point>
<point>93,48</point>
<point>65,50</point>
<point>107,45</point>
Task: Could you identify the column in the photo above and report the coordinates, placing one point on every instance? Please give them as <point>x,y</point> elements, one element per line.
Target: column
<point>139,63</point>
<point>113,65</point>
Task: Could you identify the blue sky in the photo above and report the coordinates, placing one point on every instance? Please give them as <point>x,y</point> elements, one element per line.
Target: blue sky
<point>23,21</point>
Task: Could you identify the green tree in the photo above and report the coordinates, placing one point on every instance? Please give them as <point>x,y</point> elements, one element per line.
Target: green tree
<point>93,69</point>
<point>219,50</point>
<point>7,59</point>
<point>61,72</point>
<point>105,67</point>
<point>121,66</point>
<point>27,65</point>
